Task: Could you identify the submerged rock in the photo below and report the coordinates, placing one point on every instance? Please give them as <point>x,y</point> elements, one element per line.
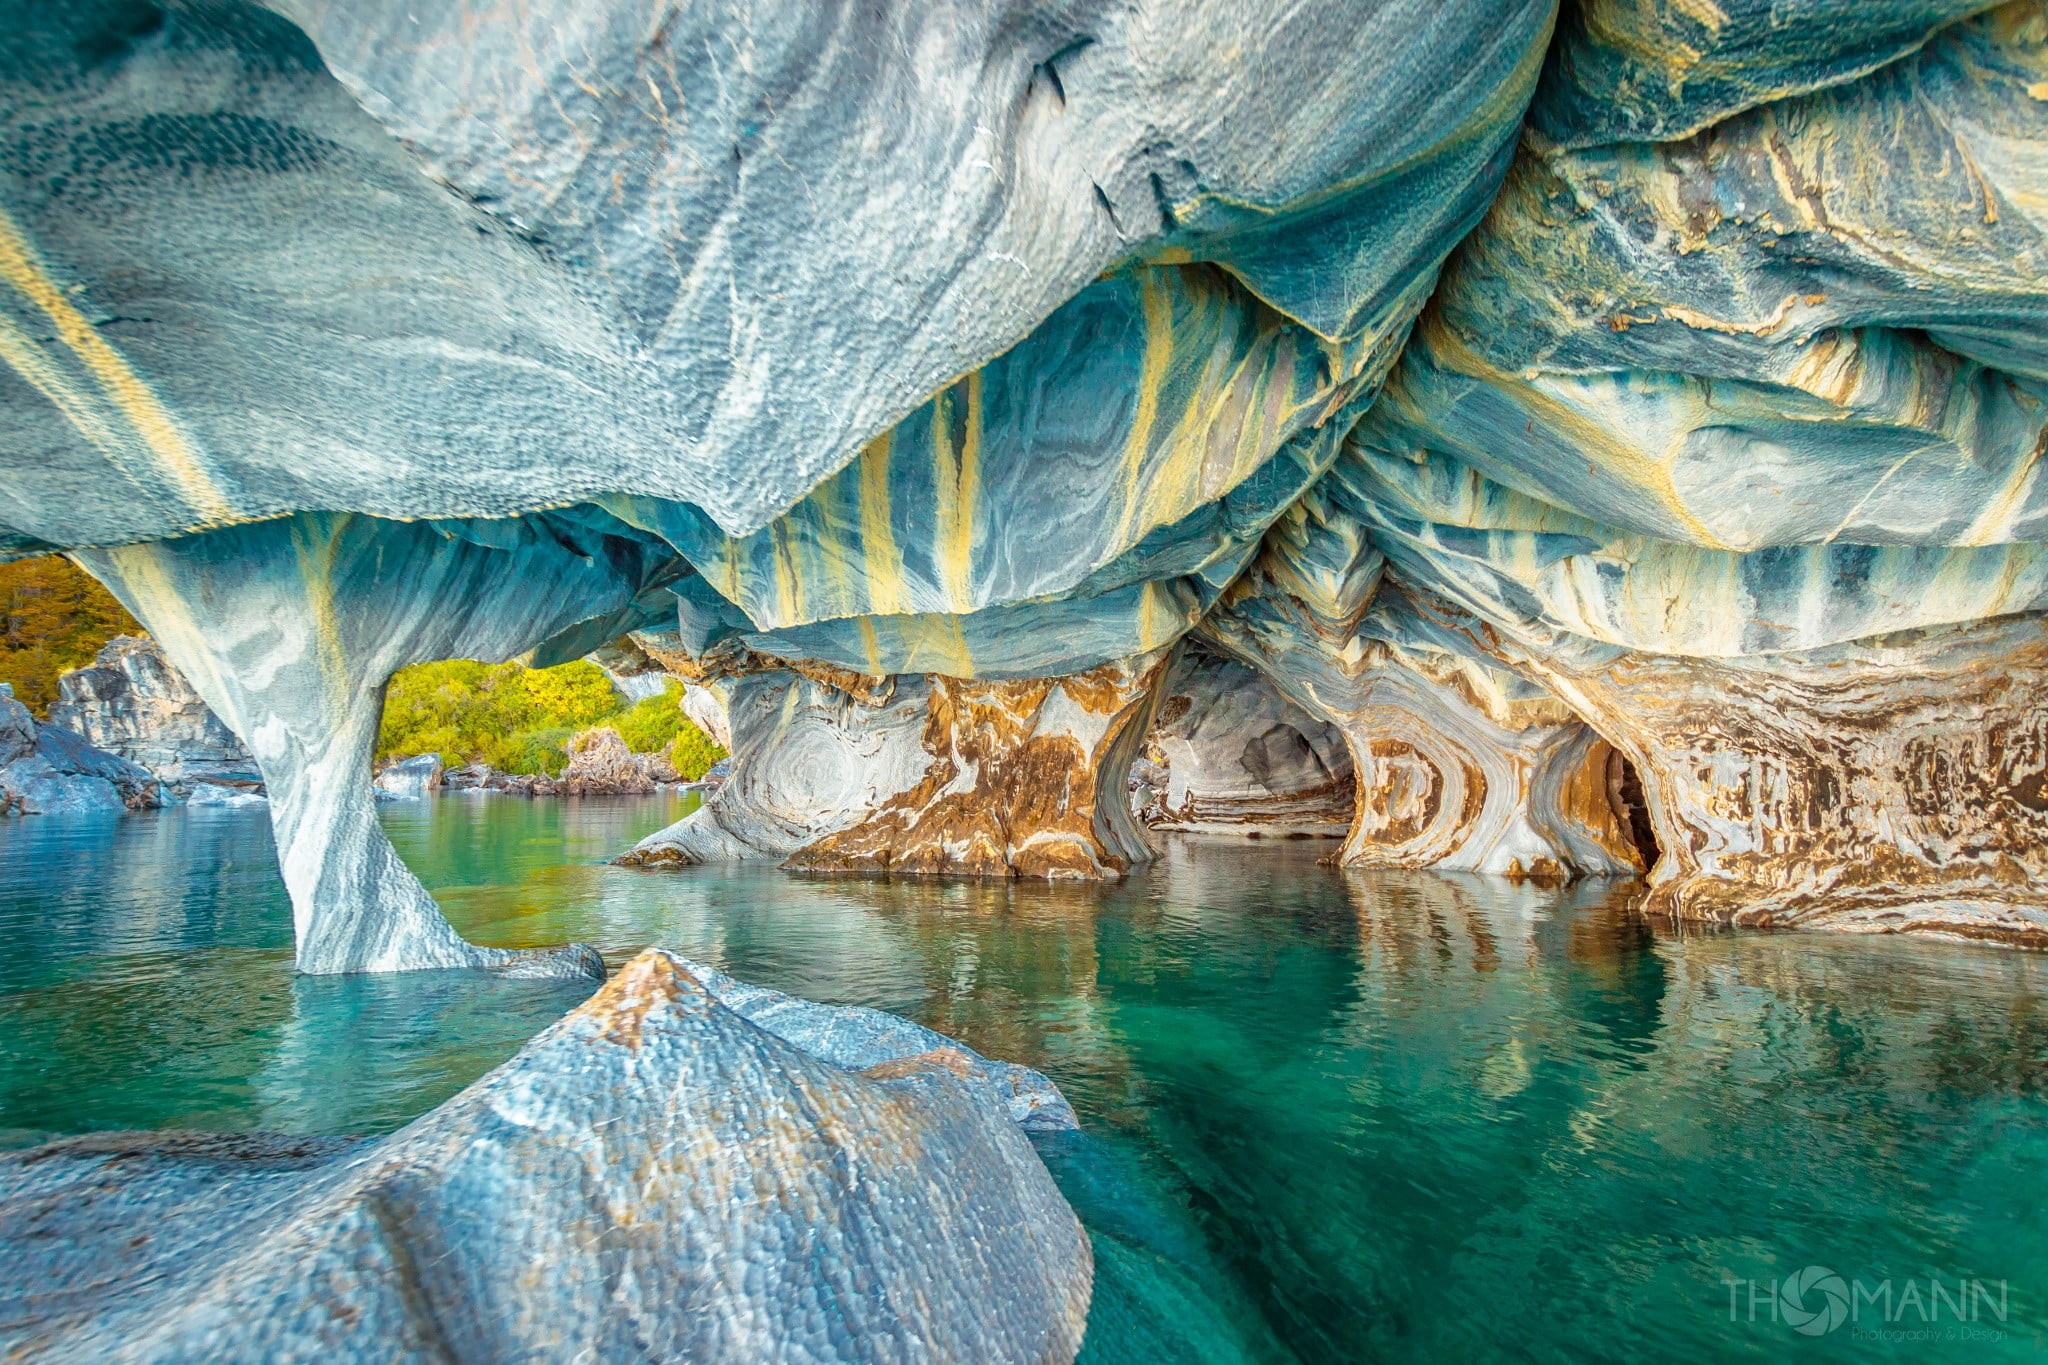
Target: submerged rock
<point>132,701</point>
<point>654,1177</point>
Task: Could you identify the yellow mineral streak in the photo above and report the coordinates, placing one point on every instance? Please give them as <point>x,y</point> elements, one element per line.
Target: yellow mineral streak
<point>151,423</point>
<point>1151,381</point>
<point>1597,442</point>
<point>877,537</point>
<point>317,552</point>
<point>871,645</point>
<point>957,487</point>
<point>787,604</point>
<point>1641,31</point>
<point>147,588</point>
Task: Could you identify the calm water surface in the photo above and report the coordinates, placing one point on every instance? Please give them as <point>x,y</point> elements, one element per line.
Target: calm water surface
<point>1327,1116</point>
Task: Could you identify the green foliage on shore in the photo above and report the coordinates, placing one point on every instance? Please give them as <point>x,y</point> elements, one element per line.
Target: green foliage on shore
<point>54,616</point>
<point>658,723</point>
<point>520,720</point>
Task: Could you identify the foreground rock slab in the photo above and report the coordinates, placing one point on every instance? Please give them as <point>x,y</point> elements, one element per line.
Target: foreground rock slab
<point>654,1177</point>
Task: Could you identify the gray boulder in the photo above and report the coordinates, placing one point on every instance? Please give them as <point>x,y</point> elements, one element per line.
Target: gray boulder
<point>132,701</point>
<point>47,770</point>
<point>654,1177</point>
<point>411,778</point>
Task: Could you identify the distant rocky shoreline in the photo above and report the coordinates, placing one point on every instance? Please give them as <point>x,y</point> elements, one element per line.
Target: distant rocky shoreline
<point>129,733</point>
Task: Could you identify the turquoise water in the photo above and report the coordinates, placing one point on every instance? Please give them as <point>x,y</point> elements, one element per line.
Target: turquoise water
<point>1327,1116</point>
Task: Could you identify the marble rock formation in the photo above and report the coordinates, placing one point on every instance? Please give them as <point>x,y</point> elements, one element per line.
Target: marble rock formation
<point>896,373</point>
<point>1230,754</point>
<point>682,1168</point>
<point>941,341</point>
<point>1460,764</point>
<point>635,673</point>
<point>1733,442</point>
<point>812,755</point>
<point>48,770</point>
<point>289,630</point>
<point>926,774</point>
<point>132,701</point>
<point>1022,778</point>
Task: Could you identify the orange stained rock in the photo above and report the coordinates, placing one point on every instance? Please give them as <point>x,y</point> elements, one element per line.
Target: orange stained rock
<point>1025,779</point>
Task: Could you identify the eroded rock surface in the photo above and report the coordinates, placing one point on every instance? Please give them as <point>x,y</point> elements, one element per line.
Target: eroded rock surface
<point>811,756</point>
<point>1461,764</point>
<point>900,400</point>
<point>289,630</point>
<point>1021,779</point>
<point>682,1168</point>
<point>1230,754</point>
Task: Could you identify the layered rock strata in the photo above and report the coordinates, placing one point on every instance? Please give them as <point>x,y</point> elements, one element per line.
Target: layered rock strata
<point>811,756</point>
<point>1042,343</point>
<point>1733,441</point>
<point>930,774</point>
<point>1021,779</point>
<point>580,1201</point>
<point>1461,764</point>
<point>1890,784</point>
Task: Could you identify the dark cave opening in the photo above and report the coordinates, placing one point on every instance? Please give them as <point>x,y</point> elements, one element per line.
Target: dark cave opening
<point>1632,807</point>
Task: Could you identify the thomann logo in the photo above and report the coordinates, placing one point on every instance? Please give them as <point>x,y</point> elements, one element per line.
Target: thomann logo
<point>1816,1301</point>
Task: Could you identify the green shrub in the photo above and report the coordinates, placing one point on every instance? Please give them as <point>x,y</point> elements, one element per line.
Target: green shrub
<point>520,720</point>
<point>692,752</point>
<point>649,725</point>
<point>527,752</point>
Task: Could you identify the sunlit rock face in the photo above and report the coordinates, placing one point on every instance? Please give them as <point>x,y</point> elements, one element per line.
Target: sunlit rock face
<point>1890,784</point>
<point>1238,757</point>
<point>131,701</point>
<point>597,1197</point>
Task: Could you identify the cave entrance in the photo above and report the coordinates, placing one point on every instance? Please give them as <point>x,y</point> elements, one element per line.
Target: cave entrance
<point>1632,807</point>
<point>1228,753</point>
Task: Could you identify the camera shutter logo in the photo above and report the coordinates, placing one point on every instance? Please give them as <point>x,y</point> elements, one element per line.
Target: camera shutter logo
<point>1815,1301</point>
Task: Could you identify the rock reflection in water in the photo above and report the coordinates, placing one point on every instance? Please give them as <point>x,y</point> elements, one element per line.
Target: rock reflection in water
<point>1326,1114</point>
